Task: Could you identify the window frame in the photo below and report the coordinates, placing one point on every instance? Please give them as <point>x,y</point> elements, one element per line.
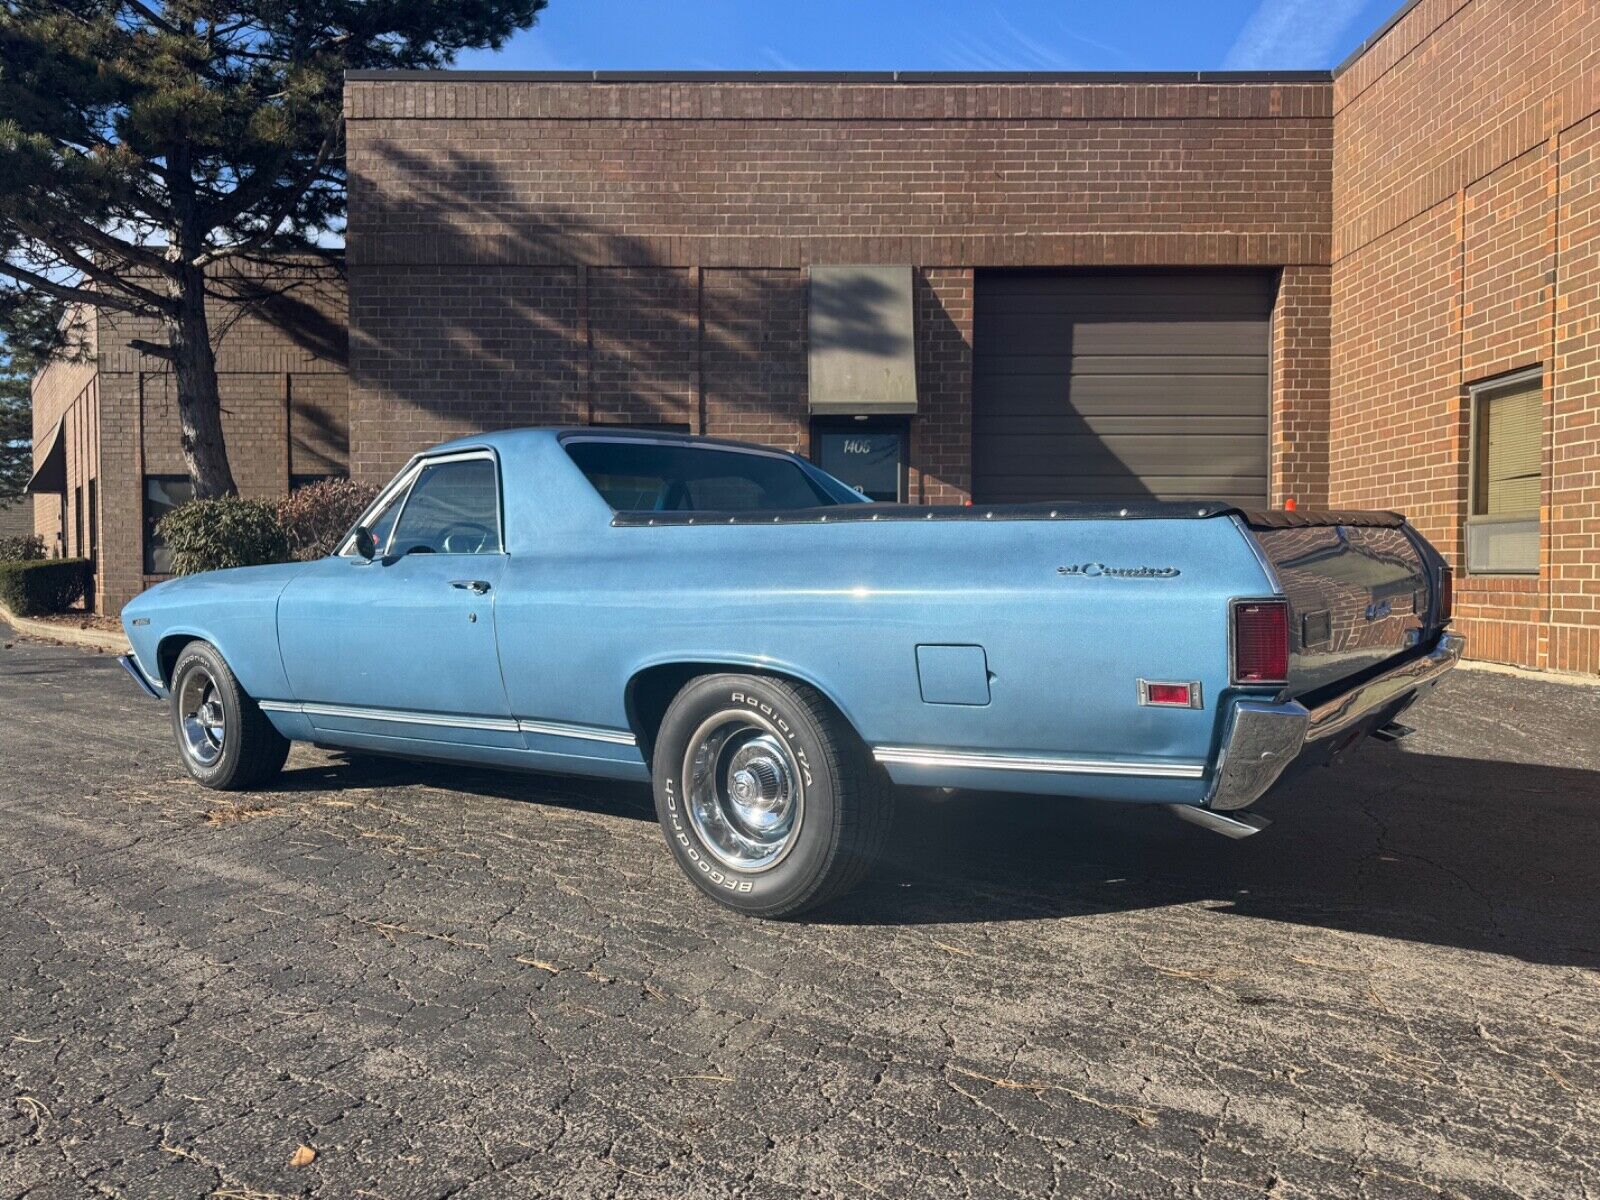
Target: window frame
<point>403,482</point>
<point>879,423</point>
<point>1478,396</point>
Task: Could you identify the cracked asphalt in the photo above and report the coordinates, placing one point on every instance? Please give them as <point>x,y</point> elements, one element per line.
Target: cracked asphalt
<point>454,983</point>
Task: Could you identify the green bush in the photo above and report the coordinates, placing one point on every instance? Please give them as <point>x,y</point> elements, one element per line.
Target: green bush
<point>31,589</point>
<point>318,515</point>
<point>22,549</point>
<point>209,535</point>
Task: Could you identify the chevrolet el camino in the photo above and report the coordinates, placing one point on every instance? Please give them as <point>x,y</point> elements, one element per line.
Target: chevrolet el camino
<point>776,655</point>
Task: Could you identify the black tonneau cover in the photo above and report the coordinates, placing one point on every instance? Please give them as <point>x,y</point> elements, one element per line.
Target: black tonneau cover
<point>1066,510</point>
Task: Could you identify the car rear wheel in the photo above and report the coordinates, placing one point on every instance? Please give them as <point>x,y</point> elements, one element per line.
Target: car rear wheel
<point>769,801</point>
<point>224,739</point>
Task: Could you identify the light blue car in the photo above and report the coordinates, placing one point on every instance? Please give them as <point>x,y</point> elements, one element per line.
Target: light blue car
<point>775,654</point>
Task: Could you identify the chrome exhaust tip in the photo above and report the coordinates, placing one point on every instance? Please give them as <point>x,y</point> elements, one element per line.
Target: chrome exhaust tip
<point>1393,732</point>
<point>1233,825</point>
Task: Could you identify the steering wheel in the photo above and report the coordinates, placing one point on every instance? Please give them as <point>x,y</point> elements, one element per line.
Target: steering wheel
<point>466,537</point>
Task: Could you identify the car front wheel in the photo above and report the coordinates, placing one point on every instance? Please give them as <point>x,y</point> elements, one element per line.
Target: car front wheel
<point>769,801</point>
<point>224,739</point>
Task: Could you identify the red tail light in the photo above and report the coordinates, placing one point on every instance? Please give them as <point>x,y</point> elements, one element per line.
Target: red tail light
<point>1260,641</point>
<point>1447,594</point>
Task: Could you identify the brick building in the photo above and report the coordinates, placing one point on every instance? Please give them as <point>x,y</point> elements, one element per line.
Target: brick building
<point>1377,286</point>
<point>105,423</point>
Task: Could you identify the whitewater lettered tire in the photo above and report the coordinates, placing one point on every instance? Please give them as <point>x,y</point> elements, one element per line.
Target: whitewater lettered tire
<point>769,801</point>
<point>224,740</point>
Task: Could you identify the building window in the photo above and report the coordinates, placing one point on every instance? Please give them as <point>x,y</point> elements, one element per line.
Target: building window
<point>869,455</point>
<point>1506,475</point>
<point>94,526</point>
<point>77,521</point>
<point>162,494</point>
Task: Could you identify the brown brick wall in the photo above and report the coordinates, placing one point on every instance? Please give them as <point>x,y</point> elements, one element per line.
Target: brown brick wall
<point>1463,248</point>
<point>527,252</point>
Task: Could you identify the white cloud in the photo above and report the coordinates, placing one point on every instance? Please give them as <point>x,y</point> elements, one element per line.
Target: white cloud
<point>1289,34</point>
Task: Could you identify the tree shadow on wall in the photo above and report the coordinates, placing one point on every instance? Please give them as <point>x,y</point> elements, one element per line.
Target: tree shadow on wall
<point>474,310</point>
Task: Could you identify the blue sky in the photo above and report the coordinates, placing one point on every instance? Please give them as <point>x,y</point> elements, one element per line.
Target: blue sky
<point>940,35</point>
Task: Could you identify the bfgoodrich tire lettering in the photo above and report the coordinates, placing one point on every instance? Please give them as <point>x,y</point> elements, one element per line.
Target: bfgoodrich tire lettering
<point>768,800</point>
<point>224,739</point>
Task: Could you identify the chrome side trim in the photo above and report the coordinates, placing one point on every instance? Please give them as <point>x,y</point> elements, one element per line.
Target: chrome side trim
<point>131,666</point>
<point>591,733</point>
<point>588,733</point>
<point>396,716</point>
<point>915,756</point>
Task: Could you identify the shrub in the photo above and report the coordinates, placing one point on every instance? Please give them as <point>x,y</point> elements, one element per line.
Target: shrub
<point>209,535</point>
<point>30,589</point>
<point>317,516</point>
<point>22,549</point>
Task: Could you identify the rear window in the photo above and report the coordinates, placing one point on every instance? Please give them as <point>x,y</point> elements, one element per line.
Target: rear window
<point>661,477</point>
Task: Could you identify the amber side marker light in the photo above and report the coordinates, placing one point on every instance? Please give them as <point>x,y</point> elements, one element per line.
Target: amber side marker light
<point>1260,641</point>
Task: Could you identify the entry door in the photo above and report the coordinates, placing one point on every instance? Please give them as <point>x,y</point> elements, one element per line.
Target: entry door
<point>403,645</point>
<point>1093,385</point>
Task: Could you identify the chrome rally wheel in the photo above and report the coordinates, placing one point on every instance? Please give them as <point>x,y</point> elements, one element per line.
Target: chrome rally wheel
<point>224,739</point>
<point>745,794</point>
<point>201,718</point>
<point>769,801</point>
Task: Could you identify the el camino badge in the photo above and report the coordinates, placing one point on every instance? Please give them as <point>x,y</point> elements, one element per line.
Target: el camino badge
<point>1096,570</point>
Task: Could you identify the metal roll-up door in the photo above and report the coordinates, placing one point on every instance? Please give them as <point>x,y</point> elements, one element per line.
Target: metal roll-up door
<point>1135,385</point>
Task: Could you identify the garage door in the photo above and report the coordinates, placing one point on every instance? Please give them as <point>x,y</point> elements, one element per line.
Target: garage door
<point>1091,386</point>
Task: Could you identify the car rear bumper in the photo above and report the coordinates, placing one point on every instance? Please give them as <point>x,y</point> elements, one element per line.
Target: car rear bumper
<point>1264,740</point>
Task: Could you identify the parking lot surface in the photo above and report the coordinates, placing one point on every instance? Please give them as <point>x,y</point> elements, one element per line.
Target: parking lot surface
<point>437,982</point>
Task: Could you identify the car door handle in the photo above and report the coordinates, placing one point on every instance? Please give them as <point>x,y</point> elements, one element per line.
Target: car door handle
<point>476,586</point>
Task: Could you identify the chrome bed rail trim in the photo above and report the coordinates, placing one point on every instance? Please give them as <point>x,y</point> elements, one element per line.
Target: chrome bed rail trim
<point>589,733</point>
<point>917,756</point>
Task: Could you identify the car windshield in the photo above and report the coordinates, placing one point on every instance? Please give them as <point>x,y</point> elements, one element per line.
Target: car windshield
<point>640,476</point>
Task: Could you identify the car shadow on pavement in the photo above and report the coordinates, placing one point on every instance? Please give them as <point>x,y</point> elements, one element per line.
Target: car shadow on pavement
<point>1480,855</point>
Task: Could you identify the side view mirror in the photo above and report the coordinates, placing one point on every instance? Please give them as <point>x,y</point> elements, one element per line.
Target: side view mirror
<point>366,545</point>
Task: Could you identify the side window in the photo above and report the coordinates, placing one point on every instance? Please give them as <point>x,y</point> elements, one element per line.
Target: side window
<point>453,508</point>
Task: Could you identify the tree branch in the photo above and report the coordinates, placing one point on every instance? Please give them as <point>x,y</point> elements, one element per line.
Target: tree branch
<point>70,256</point>
<point>63,291</point>
<point>153,349</point>
<point>292,198</point>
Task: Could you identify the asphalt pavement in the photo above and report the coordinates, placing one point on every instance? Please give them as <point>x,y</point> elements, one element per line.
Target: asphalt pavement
<point>438,982</point>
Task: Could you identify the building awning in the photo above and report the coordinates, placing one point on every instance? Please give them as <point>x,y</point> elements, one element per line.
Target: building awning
<point>863,350</point>
<point>50,466</point>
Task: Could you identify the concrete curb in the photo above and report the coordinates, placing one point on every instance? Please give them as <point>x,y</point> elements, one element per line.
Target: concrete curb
<point>90,639</point>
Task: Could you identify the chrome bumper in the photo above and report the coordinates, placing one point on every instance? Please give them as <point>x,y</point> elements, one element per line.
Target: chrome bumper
<point>1264,739</point>
<point>132,668</point>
